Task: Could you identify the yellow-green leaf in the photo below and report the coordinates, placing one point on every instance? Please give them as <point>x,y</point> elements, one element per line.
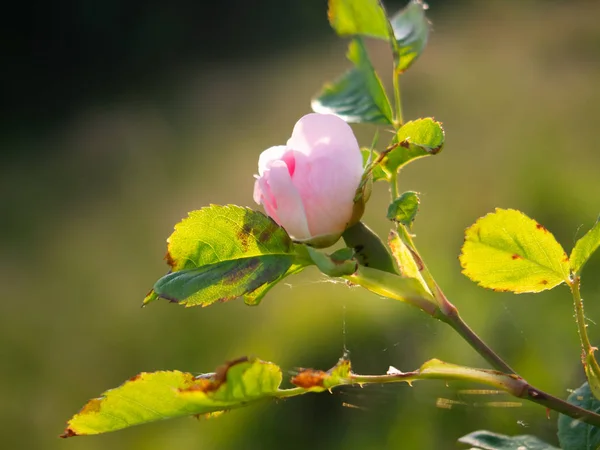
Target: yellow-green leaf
<point>149,397</point>
<point>405,260</point>
<point>416,139</point>
<point>358,17</point>
<point>585,247</point>
<point>508,251</point>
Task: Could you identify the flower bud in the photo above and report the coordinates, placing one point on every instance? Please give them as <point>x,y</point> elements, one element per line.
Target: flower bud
<point>308,185</point>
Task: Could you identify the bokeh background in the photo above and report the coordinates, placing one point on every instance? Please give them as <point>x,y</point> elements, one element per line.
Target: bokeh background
<point>120,117</point>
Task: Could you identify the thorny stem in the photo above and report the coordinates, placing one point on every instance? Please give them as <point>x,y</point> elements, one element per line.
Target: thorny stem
<point>513,384</point>
<point>446,311</point>
<point>580,315</point>
<point>452,318</point>
<point>586,345</point>
<point>518,388</point>
<point>448,314</point>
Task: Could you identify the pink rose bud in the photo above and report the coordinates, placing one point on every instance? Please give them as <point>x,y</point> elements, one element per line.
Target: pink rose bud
<point>308,186</point>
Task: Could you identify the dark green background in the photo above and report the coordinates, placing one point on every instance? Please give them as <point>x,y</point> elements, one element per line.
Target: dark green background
<point>118,120</point>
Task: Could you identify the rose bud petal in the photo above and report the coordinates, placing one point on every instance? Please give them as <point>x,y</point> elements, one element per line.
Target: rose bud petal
<point>308,186</point>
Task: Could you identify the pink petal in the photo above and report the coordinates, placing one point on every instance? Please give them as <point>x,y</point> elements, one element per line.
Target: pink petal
<point>327,193</point>
<point>269,155</point>
<point>328,168</point>
<point>288,210</point>
<point>325,134</point>
<point>264,196</point>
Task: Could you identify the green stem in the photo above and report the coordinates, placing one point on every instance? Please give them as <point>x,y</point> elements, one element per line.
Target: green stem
<point>586,346</point>
<point>398,121</point>
<point>580,316</point>
<point>448,313</point>
<point>516,386</point>
<point>439,370</point>
<point>397,100</point>
<point>452,318</point>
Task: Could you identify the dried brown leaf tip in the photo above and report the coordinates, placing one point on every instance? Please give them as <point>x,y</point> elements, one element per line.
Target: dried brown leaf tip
<point>169,259</point>
<point>213,381</point>
<point>309,378</point>
<point>92,406</point>
<point>136,377</point>
<point>68,433</point>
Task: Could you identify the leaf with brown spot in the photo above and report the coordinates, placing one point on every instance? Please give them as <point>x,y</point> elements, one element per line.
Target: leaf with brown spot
<point>508,251</point>
<point>416,139</point>
<point>220,253</point>
<point>148,397</point>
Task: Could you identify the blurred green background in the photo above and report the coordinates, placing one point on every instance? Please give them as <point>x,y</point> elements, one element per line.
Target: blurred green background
<point>119,119</point>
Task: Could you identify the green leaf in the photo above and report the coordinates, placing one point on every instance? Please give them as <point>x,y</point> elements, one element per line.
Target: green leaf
<point>486,440</point>
<point>404,209</point>
<point>358,95</point>
<point>416,139</point>
<point>508,251</point>
<point>367,18</point>
<point>409,268</point>
<point>574,434</point>
<point>148,397</point>
<point>411,31</point>
<point>585,247</point>
<point>369,250</point>
<point>358,17</point>
<point>369,161</point>
<point>223,252</point>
